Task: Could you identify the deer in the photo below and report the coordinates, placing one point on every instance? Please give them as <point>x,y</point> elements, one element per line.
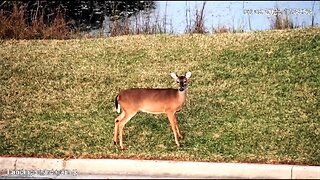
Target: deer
<point>151,100</point>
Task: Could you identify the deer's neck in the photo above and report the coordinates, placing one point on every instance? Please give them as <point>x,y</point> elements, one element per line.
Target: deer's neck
<point>182,95</point>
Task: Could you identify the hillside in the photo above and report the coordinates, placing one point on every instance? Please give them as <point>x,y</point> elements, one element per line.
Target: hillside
<point>253,97</point>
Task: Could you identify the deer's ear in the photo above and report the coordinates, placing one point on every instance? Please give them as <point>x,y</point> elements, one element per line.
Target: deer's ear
<point>173,75</point>
<point>188,75</point>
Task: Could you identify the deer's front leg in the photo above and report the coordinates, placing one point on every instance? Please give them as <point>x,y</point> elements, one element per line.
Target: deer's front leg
<point>172,121</point>
<point>178,131</point>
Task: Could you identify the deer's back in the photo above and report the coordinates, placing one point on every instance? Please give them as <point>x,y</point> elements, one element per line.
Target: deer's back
<point>149,100</point>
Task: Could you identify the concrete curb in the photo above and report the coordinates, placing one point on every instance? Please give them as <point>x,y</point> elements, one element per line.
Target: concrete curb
<point>159,168</point>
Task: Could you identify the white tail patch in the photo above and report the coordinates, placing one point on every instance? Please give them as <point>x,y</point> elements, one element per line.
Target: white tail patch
<point>118,109</point>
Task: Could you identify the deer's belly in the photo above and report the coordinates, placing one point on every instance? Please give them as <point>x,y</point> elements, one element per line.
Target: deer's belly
<point>152,111</point>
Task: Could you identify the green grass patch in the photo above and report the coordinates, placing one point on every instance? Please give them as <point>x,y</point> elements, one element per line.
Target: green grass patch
<point>253,97</point>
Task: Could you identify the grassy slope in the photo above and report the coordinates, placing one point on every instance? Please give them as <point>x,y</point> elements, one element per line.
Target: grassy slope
<point>253,97</point>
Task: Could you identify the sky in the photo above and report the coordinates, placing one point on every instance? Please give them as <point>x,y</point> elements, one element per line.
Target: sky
<point>237,14</point>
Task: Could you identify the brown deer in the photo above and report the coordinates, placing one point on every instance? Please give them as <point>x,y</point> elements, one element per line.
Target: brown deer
<point>153,101</point>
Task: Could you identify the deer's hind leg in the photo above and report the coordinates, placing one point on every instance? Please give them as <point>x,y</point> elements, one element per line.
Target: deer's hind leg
<point>116,127</point>
<point>124,120</point>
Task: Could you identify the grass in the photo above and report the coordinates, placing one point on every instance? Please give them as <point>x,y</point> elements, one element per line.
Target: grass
<point>253,97</point>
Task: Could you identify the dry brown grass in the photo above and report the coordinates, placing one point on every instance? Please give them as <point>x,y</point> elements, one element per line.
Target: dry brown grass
<point>281,21</point>
<point>14,25</point>
<point>222,29</point>
<point>198,25</point>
